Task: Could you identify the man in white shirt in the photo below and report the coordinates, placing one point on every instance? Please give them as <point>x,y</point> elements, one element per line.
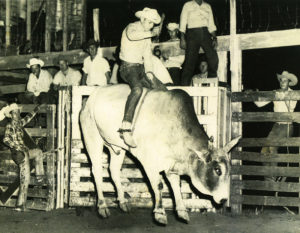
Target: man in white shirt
<point>198,29</point>
<point>39,82</point>
<point>281,129</point>
<point>137,64</point>
<point>66,76</point>
<point>96,68</point>
<point>203,67</point>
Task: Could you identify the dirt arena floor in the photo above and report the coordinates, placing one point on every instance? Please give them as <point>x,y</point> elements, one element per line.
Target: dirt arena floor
<point>140,220</point>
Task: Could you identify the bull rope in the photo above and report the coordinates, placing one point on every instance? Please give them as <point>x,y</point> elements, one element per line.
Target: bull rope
<point>137,112</point>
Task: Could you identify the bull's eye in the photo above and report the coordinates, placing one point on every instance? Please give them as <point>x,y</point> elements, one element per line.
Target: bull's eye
<point>218,171</point>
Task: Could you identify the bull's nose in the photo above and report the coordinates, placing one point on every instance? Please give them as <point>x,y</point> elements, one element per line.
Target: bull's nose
<point>223,201</point>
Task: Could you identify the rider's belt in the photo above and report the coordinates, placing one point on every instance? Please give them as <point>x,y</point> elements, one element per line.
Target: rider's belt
<point>125,63</point>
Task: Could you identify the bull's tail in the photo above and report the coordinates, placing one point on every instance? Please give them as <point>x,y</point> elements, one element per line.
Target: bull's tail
<point>94,145</point>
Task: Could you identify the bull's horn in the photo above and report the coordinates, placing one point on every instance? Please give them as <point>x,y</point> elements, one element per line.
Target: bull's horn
<point>231,144</point>
<point>203,155</point>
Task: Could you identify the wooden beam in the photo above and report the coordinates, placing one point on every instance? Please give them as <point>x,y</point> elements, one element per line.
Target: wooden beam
<point>96,24</point>
<point>20,61</point>
<point>65,24</point>
<point>264,96</point>
<point>259,157</point>
<point>236,85</point>
<point>12,89</point>
<point>28,20</point>
<point>265,117</point>
<point>7,23</point>
<point>13,75</point>
<point>50,18</point>
<point>83,22</point>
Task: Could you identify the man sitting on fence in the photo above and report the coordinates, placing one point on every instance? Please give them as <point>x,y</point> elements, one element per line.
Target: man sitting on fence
<point>39,84</point>
<point>281,129</point>
<point>22,149</point>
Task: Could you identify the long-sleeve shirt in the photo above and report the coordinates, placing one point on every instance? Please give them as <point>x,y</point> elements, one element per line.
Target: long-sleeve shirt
<point>194,15</point>
<point>41,84</point>
<point>279,106</point>
<point>136,46</point>
<point>14,133</point>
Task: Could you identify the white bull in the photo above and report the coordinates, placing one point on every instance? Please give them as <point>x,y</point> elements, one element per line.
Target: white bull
<point>169,138</point>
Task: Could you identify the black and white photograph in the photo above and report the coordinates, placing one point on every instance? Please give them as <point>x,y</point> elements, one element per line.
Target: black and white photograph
<point>161,116</point>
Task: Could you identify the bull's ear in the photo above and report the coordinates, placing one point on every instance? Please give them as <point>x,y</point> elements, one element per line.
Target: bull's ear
<point>231,144</point>
<point>203,155</point>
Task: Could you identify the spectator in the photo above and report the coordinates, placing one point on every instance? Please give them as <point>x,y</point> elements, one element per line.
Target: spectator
<point>96,68</point>
<point>173,63</point>
<point>115,76</point>
<point>22,149</point>
<point>39,84</point>
<point>198,29</point>
<point>203,67</point>
<point>66,76</point>
<point>280,129</point>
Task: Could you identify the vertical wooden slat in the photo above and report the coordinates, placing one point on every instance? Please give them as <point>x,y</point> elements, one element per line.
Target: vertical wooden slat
<point>7,23</point>
<point>67,145</point>
<point>51,111</point>
<point>28,20</point>
<point>236,85</point>
<point>96,24</point>
<point>65,24</point>
<point>222,69</point>
<point>59,145</point>
<point>83,22</point>
<point>50,19</point>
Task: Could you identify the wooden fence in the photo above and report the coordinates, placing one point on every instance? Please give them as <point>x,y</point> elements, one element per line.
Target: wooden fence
<point>41,196</point>
<point>82,187</point>
<point>252,189</point>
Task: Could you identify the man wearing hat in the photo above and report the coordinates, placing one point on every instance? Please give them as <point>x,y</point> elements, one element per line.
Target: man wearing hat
<point>136,64</point>
<point>66,76</point>
<point>22,149</point>
<point>96,70</point>
<point>39,83</point>
<point>281,129</point>
<point>173,63</point>
<point>197,29</point>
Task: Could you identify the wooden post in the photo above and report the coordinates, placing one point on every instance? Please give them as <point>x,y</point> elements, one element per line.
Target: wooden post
<point>83,22</point>
<point>67,144</point>
<point>7,23</point>
<point>96,24</point>
<point>51,111</point>
<point>65,24</point>
<point>28,20</point>
<point>50,17</point>
<point>236,85</point>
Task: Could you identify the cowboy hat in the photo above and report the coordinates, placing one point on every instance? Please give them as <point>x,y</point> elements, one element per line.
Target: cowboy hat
<point>35,61</point>
<point>6,111</point>
<point>293,80</point>
<point>173,26</point>
<point>150,14</point>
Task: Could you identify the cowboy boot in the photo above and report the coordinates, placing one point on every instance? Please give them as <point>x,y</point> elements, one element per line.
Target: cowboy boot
<point>126,134</point>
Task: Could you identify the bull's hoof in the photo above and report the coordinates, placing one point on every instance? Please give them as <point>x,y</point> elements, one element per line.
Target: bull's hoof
<point>161,217</point>
<point>183,214</point>
<point>104,212</point>
<point>125,206</point>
